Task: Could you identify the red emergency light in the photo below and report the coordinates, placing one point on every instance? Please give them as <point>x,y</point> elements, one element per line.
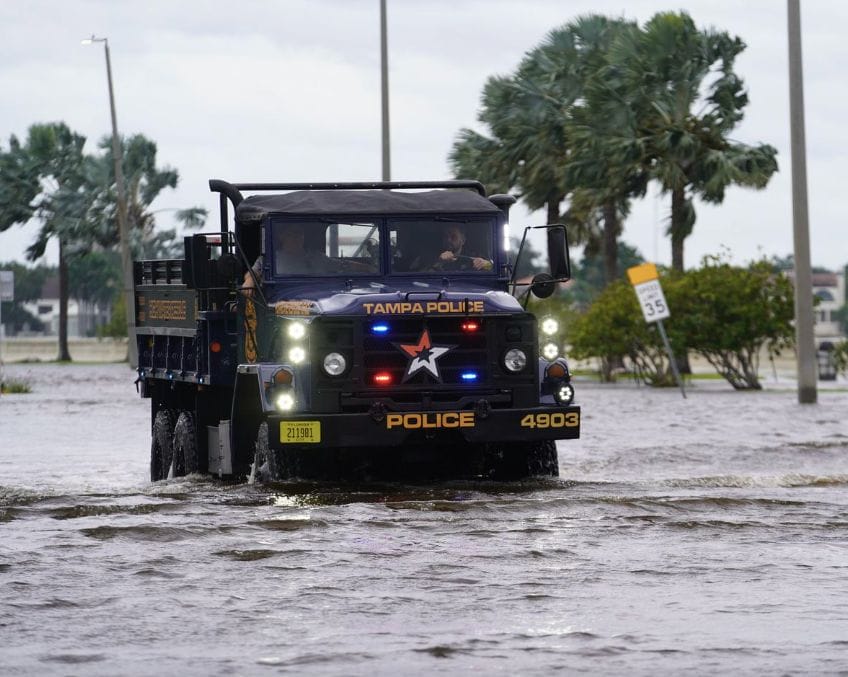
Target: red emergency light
<point>382,378</point>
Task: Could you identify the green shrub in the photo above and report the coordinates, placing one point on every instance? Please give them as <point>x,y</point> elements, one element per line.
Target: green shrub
<point>728,314</point>
<point>840,357</point>
<point>13,387</point>
<point>614,326</point>
<point>725,313</point>
<point>116,327</point>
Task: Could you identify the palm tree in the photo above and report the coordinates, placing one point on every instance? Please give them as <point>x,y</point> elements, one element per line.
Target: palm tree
<point>537,118</point>
<point>680,84</point>
<point>144,182</point>
<point>603,169</point>
<point>43,179</point>
<point>523,152</point>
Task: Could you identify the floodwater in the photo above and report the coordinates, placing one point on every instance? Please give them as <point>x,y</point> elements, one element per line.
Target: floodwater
<point>706,535</point>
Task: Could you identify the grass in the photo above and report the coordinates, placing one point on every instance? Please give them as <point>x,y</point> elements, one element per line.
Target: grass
<point>12,387</point>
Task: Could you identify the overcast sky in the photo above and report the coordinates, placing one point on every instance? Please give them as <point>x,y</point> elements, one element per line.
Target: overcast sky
<point>289,90</point>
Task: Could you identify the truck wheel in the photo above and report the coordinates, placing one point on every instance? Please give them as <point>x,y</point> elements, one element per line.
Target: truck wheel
<point>542,459</point>
<point>185,445</point>
<point>519,460</point>
<point>265,462</point>
<point>161,447</point>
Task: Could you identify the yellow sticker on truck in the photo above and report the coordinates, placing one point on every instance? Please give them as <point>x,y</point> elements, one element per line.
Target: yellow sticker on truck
<point>300,432</point>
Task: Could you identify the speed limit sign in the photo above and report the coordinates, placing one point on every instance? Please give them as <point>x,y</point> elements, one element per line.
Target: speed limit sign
<point>646,283</point>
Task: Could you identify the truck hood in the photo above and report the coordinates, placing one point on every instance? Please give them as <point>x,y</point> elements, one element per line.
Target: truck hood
<point>378,299</point>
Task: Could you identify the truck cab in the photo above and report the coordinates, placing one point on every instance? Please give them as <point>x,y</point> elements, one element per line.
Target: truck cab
<point>351,330</point>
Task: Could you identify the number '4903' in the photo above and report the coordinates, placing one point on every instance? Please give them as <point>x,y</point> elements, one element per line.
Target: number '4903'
<point>559,419</point>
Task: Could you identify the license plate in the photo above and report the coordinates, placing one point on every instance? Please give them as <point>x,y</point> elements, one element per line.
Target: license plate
<point>300,432</point>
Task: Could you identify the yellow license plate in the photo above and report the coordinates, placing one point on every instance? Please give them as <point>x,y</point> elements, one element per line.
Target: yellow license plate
<point>300,432</point>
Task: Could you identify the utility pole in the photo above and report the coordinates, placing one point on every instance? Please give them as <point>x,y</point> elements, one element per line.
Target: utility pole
<point>123,226</point>
<point>384,78</point>
<point>804,335</point>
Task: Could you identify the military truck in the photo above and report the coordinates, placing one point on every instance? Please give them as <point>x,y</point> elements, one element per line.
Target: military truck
<point>355,330</point>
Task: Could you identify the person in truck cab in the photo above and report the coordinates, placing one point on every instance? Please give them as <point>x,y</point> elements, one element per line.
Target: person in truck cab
<point>454,256</point>
<point>292,258</point>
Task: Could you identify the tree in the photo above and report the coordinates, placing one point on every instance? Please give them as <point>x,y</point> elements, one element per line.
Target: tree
<point>44,179</point>
<point>732,313</point>
<point>95,279</point>
<point>535,117</point>
<point>686,98</point>
<point>73,195</point>
<point>604,171</point>
<point>524,151</point>
<point>144,183</point>
<point>590,276</point>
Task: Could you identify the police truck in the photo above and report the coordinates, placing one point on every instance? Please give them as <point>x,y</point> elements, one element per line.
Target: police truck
<point>355,330</point>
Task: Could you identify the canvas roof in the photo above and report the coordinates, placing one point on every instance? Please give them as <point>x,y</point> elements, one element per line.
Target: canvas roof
<point>364,202</point>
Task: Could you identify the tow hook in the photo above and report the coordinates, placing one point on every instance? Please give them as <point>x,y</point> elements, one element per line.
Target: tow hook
<point>482,408</point>
<point>378,412</point>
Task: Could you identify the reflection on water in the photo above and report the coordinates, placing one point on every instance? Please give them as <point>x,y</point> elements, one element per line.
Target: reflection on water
<point>708,535</point>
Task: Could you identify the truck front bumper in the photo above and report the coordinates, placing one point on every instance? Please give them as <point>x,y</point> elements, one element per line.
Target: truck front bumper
<point>389,429</point>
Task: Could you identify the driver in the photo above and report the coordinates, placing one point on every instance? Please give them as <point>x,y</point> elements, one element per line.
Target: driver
<point>453,245</point>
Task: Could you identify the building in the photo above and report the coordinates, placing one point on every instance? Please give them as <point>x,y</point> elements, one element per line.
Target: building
<point>83,317</point>
<point>829,289</point>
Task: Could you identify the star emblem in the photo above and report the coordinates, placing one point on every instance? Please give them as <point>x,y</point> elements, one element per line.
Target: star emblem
<point>423,355</point>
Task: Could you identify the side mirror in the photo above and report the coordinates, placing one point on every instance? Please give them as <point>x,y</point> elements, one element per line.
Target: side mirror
<point>538,272</point>
<point>558,256</point>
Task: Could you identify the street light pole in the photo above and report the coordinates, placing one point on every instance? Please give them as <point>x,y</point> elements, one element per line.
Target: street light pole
<point>384,90</point>
<point>123,228</point>
<point>804,331</point>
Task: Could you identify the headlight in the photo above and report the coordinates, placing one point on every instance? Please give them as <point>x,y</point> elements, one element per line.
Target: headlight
<point>515,360</point>
<point>335,364</point>
<point>296,330</point>
<point>564,394</point>
<point>549,326</point>
<point>297,355</point>
<point>284,401</point>
<point>550,351</point>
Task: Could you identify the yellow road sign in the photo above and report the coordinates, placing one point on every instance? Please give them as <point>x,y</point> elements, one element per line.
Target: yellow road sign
<point>643,273</point>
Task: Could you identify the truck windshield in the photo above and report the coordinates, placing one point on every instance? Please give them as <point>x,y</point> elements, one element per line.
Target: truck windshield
<point>442,244</point>
<point>325,247</point>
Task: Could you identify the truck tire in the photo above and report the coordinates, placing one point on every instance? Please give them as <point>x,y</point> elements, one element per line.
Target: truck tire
<point>542,461</point>
<point>185,445</point>
<point>161,446</point>
<point>265,462</point>
<point>520,460</point>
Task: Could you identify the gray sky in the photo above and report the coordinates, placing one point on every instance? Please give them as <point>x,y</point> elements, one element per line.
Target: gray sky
<point>289,90</point>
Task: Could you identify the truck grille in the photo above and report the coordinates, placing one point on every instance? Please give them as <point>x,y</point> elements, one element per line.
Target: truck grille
<point>466,354</point>
<point>471,368</point>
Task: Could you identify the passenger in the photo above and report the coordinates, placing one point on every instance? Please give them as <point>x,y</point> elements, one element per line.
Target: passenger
<point>290,257</point>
